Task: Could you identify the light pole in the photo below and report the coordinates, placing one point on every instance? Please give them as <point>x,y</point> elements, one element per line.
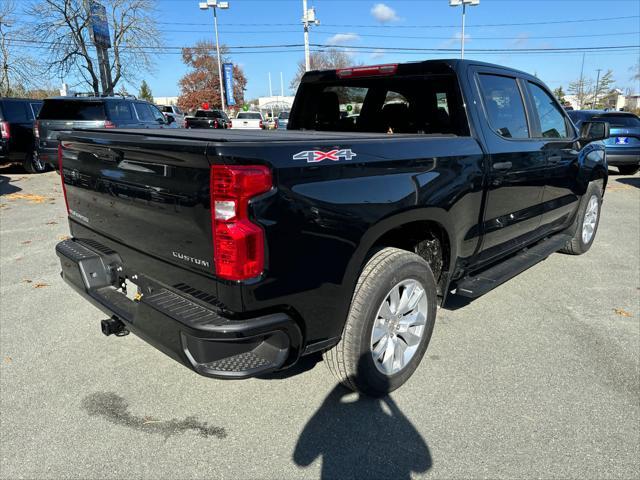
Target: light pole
<point>464,3</point>
<point>308,18</point>
<point>215,5</point>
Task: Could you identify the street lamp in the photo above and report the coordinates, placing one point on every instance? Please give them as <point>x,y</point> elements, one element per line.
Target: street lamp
<point>464,3</point>
<point>215,5</point>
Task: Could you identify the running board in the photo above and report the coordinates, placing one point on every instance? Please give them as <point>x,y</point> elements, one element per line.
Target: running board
<point>487,280</point>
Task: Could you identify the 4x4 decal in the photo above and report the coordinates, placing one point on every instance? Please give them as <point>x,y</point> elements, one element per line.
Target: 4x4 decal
<point>315,156</point>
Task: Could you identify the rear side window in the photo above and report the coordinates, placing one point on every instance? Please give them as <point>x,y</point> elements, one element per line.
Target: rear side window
<point>120,112</point>
<point>16,112</point>
<point>148,113</point>
<point>504,105</point>
<point>552,121</point>
<point>72,110</point>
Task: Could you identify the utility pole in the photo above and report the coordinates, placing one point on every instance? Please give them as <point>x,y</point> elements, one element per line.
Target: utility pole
<point>215,5</point>
<point>464,3</point>
<point>595,95</point>
<point>308,18</point>
<point>581,87</point>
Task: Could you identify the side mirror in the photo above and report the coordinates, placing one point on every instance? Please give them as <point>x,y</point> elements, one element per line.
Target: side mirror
<point>592,131</point>
<point>170,119</point>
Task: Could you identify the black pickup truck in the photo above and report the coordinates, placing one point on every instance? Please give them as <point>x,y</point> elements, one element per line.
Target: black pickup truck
<point>236,253</point>
<point>208,119</point>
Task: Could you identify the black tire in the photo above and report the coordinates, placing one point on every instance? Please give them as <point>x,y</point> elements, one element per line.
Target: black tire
<point>577,245</point>
<point>628,169</point>
<point>33,164</point>
<point>351,360</point>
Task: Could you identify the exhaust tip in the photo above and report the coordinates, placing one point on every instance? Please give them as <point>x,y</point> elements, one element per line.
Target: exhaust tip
<point>113,326</point>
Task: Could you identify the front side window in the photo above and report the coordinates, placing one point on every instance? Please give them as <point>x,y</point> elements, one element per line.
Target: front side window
<point>504,105</point>
<point>552,121</point>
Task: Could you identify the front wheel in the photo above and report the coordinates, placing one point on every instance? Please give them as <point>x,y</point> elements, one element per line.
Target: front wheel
<point>628,169</point>
<point>33,163</point>
<point>587,221</point>
<point>389,324</point>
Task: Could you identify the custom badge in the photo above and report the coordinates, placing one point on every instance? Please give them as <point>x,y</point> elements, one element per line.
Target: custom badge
<point>315,156</point>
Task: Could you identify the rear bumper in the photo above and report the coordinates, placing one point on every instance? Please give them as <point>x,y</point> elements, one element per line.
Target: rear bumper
<point>191,333</point>
<point>623,156</point>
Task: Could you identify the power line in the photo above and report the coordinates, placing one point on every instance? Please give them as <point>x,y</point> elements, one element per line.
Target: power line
<point>558,22</point>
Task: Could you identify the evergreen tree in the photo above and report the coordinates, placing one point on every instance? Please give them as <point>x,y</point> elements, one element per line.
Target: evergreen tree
<point>145,92</point>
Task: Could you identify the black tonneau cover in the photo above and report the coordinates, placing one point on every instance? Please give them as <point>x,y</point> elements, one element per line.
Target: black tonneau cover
<point>229,135</point>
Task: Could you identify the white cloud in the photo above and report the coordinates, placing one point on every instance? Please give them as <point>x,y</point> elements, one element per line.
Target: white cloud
<point>455,40</point>
<point>343,38</point>
<point>383,13</point>
<point>377,54</point>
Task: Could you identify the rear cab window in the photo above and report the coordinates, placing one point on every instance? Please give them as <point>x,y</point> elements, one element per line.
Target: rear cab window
<point>79,110</point>
<point>393,104</point>
<point>249,116</point>
<point>617,121</point>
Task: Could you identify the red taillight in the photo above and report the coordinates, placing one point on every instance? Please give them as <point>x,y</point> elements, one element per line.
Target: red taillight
<point>109,124</point>
<point>229,124</point>
<point>36,129</point>
<point>261,124</point>
<point>372,70</point>
<point>5,131</point>
<point>64,188</point>
<point>238,243</point>
<point>215,124</point>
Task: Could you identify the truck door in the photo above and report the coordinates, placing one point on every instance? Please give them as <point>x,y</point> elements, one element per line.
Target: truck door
<point>517,166</point>
<point>556,138</point>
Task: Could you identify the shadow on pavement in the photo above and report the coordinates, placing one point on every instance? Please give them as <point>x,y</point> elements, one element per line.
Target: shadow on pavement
<point>633,181</point>
<point>361,437</point>
<point>303,365</point>
<point>6,187</point>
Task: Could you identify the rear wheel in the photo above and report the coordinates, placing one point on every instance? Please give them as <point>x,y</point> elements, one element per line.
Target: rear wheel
<point>628,169</point>
<point>587,221</point>
<point>33,163</point>
<point>389,324</point>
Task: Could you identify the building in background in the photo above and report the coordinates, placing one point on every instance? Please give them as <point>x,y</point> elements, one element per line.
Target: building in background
<point>165,100</point>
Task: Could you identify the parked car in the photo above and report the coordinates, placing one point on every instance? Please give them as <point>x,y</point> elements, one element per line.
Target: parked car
<point>623,146</point>
<point>208,119</point>
<point>249,120</point>
<point>17,144</point>
<point>283,120</point>
<point>238,253</point>
<point>173,111</point>
<point>63,114</point>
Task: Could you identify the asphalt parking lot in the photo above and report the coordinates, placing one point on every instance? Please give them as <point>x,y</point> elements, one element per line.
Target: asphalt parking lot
<point>538,378</point>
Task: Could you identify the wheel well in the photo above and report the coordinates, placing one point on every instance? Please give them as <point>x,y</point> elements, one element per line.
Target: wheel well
<point>427,239</point>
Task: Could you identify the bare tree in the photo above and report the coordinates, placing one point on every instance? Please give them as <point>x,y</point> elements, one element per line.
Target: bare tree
<point>324,60</point>
<point>19,70</point>
<point>65,26</point>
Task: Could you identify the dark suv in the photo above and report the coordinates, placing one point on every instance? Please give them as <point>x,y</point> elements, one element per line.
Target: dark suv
<point>16,133</point>
<point>63,114</point>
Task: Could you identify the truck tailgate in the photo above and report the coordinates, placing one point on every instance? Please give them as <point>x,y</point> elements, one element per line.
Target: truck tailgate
<point>147,194</point>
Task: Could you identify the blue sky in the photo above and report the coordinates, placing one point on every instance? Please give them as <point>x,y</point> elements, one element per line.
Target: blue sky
<point>364,23</point>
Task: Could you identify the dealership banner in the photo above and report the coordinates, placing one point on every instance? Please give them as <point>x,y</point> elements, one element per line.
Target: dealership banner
<point>228,83</point>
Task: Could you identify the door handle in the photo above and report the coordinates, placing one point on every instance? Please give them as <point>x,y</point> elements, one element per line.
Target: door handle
<point>553,159</point>
<point>502,166</point>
